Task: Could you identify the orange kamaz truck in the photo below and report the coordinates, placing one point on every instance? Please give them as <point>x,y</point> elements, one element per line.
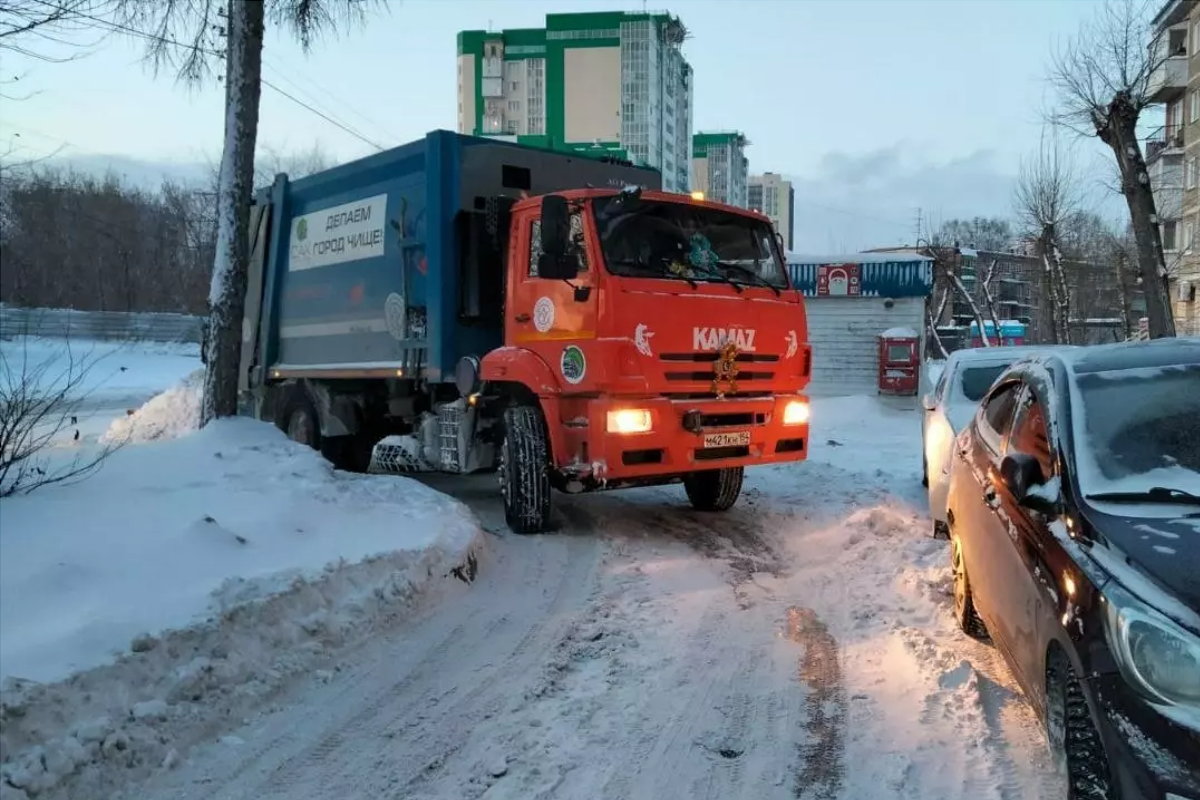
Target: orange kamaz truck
<point>463,304</point>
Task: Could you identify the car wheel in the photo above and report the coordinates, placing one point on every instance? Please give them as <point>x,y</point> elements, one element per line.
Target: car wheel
<point>714,489</point>
<point>525,470</point>
<point>964,601</point>
<point>1073,737</point>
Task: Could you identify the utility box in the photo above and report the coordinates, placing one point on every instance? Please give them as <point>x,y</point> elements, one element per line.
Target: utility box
<point>899,361</point>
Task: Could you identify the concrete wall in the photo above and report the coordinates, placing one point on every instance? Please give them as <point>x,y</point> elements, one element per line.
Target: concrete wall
<point>592,94</point>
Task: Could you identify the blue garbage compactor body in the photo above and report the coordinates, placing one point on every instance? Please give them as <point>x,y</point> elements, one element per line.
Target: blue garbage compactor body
<point>380,268</point>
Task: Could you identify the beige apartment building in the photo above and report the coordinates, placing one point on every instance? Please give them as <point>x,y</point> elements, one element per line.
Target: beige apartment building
<point>720,169</point>
<point>1173,154</point>
<point>772,195</point>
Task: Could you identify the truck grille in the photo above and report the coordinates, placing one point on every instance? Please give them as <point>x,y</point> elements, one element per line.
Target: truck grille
<point>751,382</point>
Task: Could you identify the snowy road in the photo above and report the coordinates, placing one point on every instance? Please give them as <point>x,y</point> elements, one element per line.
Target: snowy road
<point>799,646</point>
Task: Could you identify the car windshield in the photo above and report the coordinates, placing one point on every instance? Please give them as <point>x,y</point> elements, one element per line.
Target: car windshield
<point>975,381</point>
<point>1137,429</point>
<point>677,241</point>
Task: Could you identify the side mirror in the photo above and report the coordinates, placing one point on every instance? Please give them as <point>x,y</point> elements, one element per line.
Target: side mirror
<point>556,261</point>
<point>928,403</point>
<point>1023,477</point>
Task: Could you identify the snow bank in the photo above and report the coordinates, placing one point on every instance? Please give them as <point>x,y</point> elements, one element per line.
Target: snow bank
<point>168,415</point>
<point>185,579</point>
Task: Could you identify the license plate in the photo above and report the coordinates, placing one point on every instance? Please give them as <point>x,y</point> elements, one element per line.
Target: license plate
<point>737,439</point>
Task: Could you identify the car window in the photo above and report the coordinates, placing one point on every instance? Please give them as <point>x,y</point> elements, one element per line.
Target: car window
<point>996,415</point>
<point>975,381</point>
<point>1029,433</point>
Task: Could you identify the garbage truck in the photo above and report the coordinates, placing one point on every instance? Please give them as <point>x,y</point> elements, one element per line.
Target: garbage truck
<point>467,304</point>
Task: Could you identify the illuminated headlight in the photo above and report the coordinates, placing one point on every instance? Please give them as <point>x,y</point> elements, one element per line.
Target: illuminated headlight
<point>795,412</point>
<point>629,420</point>
<point>1154,654</point>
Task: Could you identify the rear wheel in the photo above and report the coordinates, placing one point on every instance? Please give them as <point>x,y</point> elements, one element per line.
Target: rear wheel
<point>964,600</point>
<point>714,489</point>
<point>300,422</point>
<point>525,470</point>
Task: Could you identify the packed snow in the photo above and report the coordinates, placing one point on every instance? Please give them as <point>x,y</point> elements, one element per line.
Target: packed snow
<point>251,623</point>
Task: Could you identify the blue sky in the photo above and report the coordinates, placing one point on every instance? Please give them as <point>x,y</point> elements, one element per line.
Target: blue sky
<point>875,108</point>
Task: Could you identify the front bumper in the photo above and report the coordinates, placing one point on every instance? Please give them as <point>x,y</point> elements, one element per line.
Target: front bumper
<point>1150,757</point>
<point>680,439</point>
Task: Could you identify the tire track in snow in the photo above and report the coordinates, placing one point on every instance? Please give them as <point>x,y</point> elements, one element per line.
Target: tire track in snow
<point>822,770</point>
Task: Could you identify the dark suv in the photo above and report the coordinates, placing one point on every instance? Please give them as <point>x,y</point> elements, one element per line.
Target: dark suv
<point>1074,516</point>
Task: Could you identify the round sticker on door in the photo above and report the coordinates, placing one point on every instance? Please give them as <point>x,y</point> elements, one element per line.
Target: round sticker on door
<point>543,314</point>
<point>395,316</point>
<point>573,364</point>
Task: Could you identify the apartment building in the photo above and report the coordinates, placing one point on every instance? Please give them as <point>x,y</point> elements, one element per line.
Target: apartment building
<point>1173,153</point>
<point>773,196</point>
<point>720,168</point>
<point>605,83</point>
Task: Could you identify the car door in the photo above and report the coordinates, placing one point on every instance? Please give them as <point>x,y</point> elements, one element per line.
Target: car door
<point>985,541</point>
<point>1025,579</point>
<point>930,422</point>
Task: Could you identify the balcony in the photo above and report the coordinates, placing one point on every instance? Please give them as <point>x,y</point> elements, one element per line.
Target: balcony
<point>1169,80</point>
<point>1165,140</point>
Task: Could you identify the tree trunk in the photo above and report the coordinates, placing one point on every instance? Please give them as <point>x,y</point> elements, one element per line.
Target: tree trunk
<point>934,318</point>
<point>227,294</point>
<point>1123,294</point>
<point>1120,134</point>
<point>970,301</point>
<point>989,300</point>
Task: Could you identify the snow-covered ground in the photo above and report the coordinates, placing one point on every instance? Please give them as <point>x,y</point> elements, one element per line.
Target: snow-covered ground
<point>194,573</point>
<point>799,646</point>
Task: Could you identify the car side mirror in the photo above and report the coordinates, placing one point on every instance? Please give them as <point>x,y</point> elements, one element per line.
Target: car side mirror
<point>928,403</point>
<point>556,262</point>
<point>1023,477</point>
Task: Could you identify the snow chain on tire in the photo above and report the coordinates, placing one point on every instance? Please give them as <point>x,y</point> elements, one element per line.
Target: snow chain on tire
<point>524,470</point>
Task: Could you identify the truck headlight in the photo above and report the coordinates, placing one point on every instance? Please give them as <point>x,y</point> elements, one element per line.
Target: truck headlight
<point>1154,654</point>
<point>795,412</point>
<point>629,420</point>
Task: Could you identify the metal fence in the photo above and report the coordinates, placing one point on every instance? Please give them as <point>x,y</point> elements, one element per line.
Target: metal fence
<point>63,323</point>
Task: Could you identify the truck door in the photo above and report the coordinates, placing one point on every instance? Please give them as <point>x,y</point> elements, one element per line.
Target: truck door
<point>549,315</point>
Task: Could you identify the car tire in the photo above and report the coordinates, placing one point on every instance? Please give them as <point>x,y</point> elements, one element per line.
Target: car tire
<point>965,615</point>
<point>525,470</point>
<point>1074,739</point>
<point>714,489</point>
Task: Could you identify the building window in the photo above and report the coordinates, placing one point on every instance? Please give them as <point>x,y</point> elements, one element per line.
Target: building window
<point>514,105</point>
<point>1168,235</point>
<point>1189,173</point>
<point>1189,230</point>
<point>1194,105</point>
<point>513,126</point>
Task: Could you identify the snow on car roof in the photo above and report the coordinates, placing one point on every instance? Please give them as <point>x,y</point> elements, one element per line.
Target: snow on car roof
<point>1132,355</point>
<point>998,355</point>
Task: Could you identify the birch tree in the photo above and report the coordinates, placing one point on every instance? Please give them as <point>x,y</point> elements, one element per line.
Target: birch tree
<point>1104,77</point>
<point>188,35</point>
<point>1046,196</point>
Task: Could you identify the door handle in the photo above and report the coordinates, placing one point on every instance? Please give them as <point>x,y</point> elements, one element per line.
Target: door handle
<point>990,498</point>
<point>522,318</point>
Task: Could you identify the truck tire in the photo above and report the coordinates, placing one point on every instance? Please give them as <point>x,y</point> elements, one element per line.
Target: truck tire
<point>714,489</point>
<point>525,470</point>
<point>299,420</point>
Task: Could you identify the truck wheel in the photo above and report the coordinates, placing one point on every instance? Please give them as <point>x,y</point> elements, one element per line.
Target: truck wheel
<point>714,489</point>
<point>524,470</point>
<point>300,422</point>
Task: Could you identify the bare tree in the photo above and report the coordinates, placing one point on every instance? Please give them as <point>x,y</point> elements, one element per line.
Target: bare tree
<point>1104,77</point>
<point>28,27</point>
<point>185,36</point>
<point>40,403</point>
<point>1046,196</point>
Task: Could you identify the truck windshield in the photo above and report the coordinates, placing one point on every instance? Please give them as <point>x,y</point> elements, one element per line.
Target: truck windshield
<point>655,239</point>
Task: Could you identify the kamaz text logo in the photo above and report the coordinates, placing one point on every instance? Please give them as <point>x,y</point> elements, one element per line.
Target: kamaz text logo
<point>716,338</point>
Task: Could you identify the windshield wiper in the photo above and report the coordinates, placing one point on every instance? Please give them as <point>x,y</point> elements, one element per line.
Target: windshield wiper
<point>1155,494</point>
<point>640,264</point>
<point>755,277</point>
<point>718,275</point>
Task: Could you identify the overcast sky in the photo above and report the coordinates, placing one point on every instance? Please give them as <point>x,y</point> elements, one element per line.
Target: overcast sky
<point>875,108</point>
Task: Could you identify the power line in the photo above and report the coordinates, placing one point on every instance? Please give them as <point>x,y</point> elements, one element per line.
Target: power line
<point>153,37</point>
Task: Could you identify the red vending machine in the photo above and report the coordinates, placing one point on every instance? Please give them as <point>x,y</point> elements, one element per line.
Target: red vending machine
<point>899,361</point>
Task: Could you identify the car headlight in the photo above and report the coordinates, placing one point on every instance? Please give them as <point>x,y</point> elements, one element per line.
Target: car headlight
<point>796,412</point>
<point>1154,654</point>
<point>630,420</point>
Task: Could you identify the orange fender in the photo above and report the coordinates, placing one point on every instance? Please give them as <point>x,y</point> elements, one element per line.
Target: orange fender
<point>518,365</point>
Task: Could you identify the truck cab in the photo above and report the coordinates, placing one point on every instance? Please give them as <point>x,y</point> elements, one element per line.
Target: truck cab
<point>583,338</point>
